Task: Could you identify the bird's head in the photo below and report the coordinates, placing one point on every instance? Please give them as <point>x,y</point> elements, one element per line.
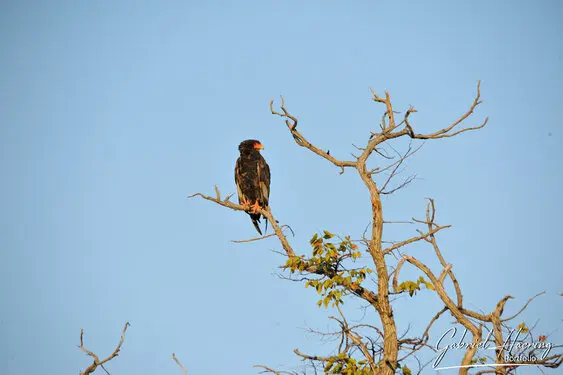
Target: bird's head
<point>250,145</point>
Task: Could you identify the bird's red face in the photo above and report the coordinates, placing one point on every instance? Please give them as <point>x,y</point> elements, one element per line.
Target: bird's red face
<point>250,145</point>
<point>258,146</point>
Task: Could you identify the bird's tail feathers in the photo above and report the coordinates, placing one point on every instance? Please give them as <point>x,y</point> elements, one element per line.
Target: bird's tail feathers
<point>255,222</point>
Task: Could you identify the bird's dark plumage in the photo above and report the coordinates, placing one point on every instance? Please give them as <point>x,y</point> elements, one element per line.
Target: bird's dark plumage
<point>252,176</point>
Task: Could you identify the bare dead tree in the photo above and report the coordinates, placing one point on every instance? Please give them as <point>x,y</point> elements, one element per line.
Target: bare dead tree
<point>333,272</point>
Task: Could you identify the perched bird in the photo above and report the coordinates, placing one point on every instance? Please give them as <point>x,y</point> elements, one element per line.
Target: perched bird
<point>252,176</point>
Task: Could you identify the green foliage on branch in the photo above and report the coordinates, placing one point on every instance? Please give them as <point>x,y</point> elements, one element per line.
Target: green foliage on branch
<point>481,360</point>
<point>413,286</point>
<point>343,364</point>
<point>327,260</point>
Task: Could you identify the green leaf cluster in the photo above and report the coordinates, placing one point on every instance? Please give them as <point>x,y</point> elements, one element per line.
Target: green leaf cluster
<point>481,360</point>
<point>343,364</point>
<point>522,327</point>
<point>334,281</point>
<point>413,286</point>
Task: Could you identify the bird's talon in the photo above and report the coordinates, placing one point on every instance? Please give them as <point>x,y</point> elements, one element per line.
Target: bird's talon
<point>255,207</point>
<point>245,204</point>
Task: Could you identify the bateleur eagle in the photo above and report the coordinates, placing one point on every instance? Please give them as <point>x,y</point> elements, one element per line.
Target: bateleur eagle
<point>252,177</point>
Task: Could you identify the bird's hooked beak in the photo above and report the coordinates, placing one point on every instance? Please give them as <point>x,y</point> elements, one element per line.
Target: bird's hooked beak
<point>258,146</point>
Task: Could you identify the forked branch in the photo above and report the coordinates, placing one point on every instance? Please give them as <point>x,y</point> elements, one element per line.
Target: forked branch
<point>388,130</point>
<point>291,123</point>
<point>431,232</point>
<point>266,212</point>
<point>90,369</point>
<point>452,130</point>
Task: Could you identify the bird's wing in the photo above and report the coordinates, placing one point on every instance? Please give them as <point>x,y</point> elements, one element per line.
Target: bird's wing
<point>238,180</point>
<point>264,180</point>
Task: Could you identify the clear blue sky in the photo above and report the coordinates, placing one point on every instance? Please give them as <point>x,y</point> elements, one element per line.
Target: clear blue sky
<point>112,113</point>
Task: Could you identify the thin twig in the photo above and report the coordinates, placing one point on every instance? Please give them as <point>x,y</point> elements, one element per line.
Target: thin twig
<point>179,364</point>
<point>291,123</point>
<point>90,369</point>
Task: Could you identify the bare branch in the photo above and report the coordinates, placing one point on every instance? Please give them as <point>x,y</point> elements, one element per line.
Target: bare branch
<point>387,129</point>
<point>291,123</point>
<point>407,181</point>
<point>523,307</point>
<point>262,237</point>
<point>396,276</point>
<point>435,318</point>
<point>389,111</point>
<point>265,212</point>
<point>357,339</point>
<point>268,369</point>
<point>430,216</point>
<point>415,239</point>
<point>383,155</point>
<point>497,330</point>
<point>178,362</point>
<point>312,357</point>
<point>444,272</point>
<point>446,132</point>
<point>90,369</point>
<point>456,312</point>
<point>395,170</point>
<point>255,238</point>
